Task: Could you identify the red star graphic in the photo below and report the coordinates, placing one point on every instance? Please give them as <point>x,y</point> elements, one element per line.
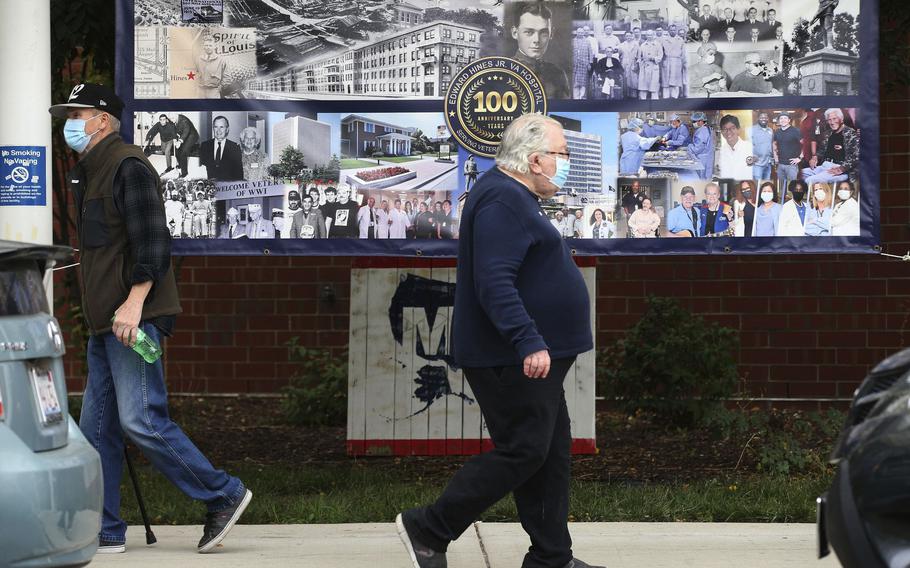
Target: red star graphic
<point>191,75</point>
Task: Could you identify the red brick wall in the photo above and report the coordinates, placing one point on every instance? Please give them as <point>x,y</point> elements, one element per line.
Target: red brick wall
<point>811,326</point>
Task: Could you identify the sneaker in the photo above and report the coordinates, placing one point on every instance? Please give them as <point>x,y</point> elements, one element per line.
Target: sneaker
<point>220,523</point>
<point>110,547</point>
<point>576,563</point>
<point>421,555</point>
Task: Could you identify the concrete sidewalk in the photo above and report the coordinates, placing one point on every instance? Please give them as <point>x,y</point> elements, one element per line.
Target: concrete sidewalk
<point>486,545</point>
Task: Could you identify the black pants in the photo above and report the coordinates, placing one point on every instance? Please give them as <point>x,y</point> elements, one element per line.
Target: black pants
<point>529,423</point>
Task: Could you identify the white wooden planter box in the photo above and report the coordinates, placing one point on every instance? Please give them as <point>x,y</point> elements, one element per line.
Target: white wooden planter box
<point>391,408</point>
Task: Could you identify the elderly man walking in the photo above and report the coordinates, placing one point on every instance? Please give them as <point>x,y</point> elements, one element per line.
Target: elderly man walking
<point>128,285</point>
<point>516,282</point>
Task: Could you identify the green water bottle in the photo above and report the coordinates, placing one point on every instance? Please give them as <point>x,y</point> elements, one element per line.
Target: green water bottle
<point>145,346</point>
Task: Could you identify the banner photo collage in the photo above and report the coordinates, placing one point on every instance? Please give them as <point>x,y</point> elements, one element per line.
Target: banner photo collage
<point>307,127</point>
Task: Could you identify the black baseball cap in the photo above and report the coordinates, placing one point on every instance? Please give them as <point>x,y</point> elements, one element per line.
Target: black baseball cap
<point>90,95</point>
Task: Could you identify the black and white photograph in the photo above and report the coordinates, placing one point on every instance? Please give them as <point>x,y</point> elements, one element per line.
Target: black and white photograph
<point>204,145</point>
<point>202,11</point>
<point>625,15</point>
<point>150,63</point>
<point>539,34</point>
<point>736,51</point>
<point>189,207</point>
<point>821,47</point>
<point>238,146</point>
<point>309,50</point>
<point>638,53</point>
<point>158,13</point>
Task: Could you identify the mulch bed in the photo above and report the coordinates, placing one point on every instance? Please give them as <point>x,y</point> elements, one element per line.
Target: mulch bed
<point>631,449</point>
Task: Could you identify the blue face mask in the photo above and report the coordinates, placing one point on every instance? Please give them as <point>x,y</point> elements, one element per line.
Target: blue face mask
<point>74,133</point>
<point>561,176</point>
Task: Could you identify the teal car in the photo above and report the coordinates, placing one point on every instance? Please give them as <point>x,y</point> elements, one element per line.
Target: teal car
<point>50,477</point>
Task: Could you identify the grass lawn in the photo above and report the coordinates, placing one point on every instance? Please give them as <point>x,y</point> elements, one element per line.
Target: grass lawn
<point>643,471</point>
<point>357,493</point>
<point>350,164</point>
<point>401,159</point>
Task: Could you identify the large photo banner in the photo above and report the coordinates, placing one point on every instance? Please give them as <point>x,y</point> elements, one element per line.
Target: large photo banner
<point>310,127</point>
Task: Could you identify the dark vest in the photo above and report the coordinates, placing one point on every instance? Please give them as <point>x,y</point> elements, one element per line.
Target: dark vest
<point>106,262</point>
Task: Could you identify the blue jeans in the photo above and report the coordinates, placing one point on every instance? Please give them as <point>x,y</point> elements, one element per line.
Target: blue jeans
<point>761,173</point>
<point>124,394</point>
<point>786,172</point>
<point>820,174</point>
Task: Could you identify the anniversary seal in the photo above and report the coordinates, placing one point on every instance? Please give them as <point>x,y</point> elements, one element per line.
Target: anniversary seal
<point>486,96</point>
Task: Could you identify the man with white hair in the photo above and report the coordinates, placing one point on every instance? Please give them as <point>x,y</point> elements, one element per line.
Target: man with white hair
<point>258,228</point>
<point>838,152</point>
<point>517,280</point>
<point>232,229</point>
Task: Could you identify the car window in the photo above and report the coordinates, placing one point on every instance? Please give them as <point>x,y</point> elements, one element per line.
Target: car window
<point>21,289</point>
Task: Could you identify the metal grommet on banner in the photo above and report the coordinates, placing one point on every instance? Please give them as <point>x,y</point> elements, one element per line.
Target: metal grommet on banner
<point>266,252</point>
<point>419,252</point>
<point>574,252</point>
<point>728,249</point>
<point>877,248</point>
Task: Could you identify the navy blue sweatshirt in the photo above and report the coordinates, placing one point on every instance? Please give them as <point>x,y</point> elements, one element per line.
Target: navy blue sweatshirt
<point>518,290</point>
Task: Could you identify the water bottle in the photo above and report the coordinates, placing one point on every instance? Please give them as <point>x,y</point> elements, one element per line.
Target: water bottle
<point>145,346</point>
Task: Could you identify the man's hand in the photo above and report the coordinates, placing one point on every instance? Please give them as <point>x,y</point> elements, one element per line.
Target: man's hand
<point>537,365</point>
<point>795,161</point>
<point>813,162</point>
<point>127,317</point>
<point>126,321</point>
<point>836,170</point>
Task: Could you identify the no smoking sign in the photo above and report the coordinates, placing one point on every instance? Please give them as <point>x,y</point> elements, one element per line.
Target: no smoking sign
<point>22,175</point>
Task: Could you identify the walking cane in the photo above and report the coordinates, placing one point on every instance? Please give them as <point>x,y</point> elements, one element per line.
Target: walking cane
<point>149,535</point>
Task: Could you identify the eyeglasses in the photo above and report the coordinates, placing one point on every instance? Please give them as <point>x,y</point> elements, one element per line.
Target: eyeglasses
<point>563,154</point>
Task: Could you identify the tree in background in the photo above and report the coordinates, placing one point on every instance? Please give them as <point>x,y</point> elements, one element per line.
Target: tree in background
<point>291,165</point>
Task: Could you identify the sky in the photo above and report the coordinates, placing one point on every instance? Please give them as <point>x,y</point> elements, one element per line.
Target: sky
<point>606,124</point>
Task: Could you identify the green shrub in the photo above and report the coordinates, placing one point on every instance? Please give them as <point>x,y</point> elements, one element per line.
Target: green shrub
<point>673,364</point>
<point>318,393</point>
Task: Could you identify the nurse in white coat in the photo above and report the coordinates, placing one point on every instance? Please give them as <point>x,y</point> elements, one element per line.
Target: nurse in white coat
<point>845,216</point>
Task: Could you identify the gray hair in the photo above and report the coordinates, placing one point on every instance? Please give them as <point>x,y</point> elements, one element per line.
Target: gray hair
<point>115,122</point>
<point>250,129</point>
<point>524,136</point>
<point>836,112</point>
